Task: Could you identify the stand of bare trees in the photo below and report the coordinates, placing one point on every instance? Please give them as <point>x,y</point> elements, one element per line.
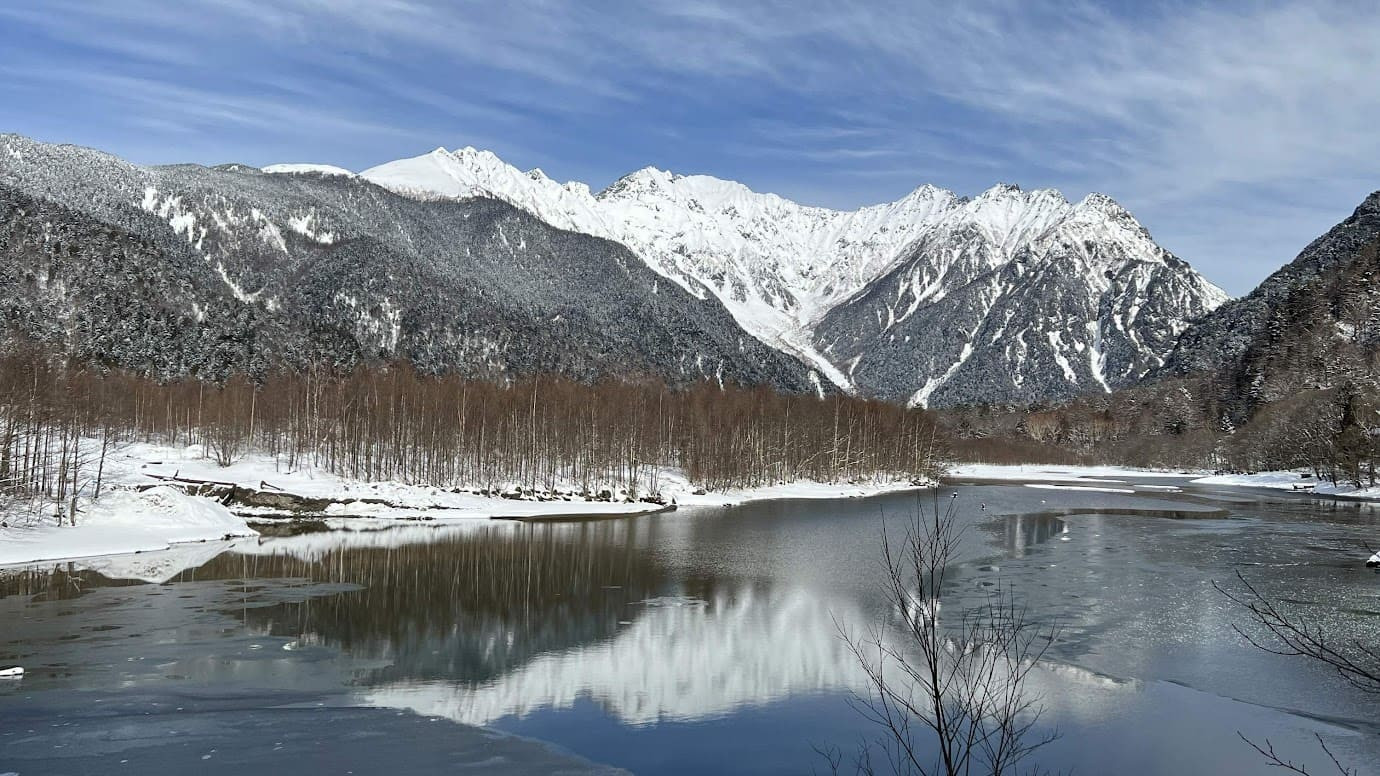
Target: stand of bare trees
<point>392,423</point>
<point>48,416</point>
<point>1173,423</point>
<point>948,693</point>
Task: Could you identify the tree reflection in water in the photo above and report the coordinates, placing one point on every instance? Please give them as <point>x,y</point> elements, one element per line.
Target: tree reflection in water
<point>469,605</point>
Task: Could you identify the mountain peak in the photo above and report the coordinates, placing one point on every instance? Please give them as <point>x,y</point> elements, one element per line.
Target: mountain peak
<point>1000,190</point>
<point>1100,208</point>
<point>646,178</point>
<point>1369,206</point>
<point>471,154</point>
<point>1012,193</point>
<point>1102,203</point>
<point>926,190</point>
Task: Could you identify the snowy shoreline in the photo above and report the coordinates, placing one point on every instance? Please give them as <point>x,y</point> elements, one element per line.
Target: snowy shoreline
<point>1052,473</point>
<point>1293,482</point>
<point>156,497</point>
<point>1097,478</point>
<point>150,510</point>
<point>121,522</point>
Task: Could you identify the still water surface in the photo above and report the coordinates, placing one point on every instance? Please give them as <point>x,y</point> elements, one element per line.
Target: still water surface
<point>700,641</point>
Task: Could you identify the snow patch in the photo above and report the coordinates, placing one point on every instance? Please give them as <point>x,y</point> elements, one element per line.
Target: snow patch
<point>1088,488</point>
<point>297,169</point>
<point>122,521</point>
<point>921,397</point>
<point>1292,481</point>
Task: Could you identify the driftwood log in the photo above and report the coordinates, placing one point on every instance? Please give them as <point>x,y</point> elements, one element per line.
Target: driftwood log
<point>234,494</point>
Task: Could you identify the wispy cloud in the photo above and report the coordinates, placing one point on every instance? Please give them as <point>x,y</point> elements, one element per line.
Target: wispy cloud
<point>1236,130</point>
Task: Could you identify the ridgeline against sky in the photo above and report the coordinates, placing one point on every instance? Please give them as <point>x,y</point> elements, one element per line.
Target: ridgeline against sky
<point>1236,131</point>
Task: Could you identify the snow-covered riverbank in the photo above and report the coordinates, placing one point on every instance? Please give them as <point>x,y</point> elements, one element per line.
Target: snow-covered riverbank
<point>687,495</point>
<point>120,522</point>
<point>145,505</point>
<point>304,490</point>
<point>1291,481</point>
<point>1052,473</point>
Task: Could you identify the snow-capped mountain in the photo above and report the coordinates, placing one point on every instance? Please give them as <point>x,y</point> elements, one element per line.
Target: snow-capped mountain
<point>934,298</point>
<point>186,269</point>
<point>1018,296</point>
<point>450,260</point>
<point>774,264</point>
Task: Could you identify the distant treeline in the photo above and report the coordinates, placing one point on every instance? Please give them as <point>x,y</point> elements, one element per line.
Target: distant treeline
<point>391,423</point>
<point>1332,430</point>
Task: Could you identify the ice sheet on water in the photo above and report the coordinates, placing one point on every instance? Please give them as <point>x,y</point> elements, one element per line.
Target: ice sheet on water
<point>668,601</point>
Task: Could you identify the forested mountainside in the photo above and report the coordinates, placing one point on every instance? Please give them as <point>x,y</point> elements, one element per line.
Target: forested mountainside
<point>934,299</point>
<point>1313,324</point>
<point>187,270</point>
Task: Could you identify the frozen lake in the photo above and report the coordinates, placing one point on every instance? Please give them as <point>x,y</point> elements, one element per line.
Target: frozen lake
<point>700,641</point>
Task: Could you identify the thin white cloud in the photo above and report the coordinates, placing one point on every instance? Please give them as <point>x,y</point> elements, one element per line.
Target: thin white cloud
<point>1175,108</point>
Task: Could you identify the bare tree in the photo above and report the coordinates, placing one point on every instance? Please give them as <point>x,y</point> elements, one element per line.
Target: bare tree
<point>949,693</point>
<point>533,435</point>
<point>1281,632</point>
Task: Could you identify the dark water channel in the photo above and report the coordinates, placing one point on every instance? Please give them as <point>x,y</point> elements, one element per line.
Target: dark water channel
<point>701,641</point>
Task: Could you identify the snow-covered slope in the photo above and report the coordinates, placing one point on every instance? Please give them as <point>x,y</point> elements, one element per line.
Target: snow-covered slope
<point>1018,296</point>
<point>323,169</point>
<point>776,265</point>
<point>837,288</point>
<point>186,270</point>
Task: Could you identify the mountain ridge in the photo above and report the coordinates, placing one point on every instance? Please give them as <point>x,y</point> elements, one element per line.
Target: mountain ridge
<point>787,271</point>
<point>313,268</point>
<point>1012,295</point>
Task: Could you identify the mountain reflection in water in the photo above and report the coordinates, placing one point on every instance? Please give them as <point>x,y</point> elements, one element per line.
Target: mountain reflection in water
<point>690,641</point>
<point>480,621</point>
<point>502,619</point>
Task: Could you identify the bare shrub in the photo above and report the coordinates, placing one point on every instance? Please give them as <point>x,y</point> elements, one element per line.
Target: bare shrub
<point>1278,631</point>
<point>948,692</point>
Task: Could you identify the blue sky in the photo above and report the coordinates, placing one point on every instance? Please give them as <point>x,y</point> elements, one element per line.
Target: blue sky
<point>1236,132</point>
